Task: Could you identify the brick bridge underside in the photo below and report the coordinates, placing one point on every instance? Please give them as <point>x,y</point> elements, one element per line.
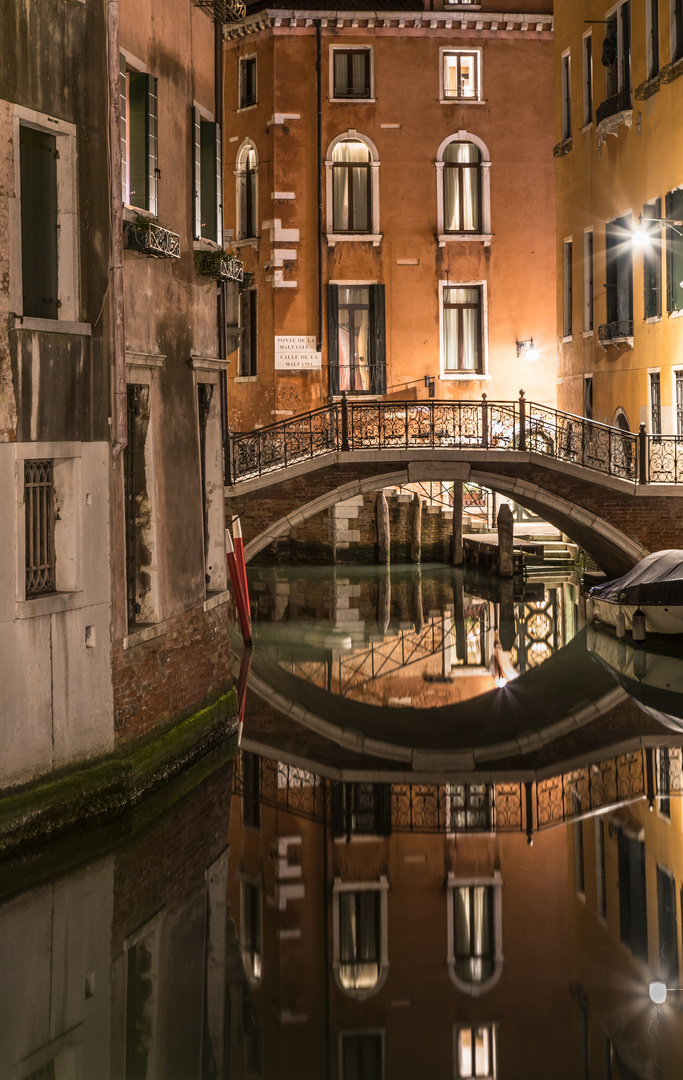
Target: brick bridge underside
<point>615,521</point>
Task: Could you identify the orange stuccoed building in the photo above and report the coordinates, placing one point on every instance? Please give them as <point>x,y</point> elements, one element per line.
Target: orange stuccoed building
<point>389,184</point>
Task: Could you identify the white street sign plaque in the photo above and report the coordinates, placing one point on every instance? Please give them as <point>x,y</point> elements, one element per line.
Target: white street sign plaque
<point>296,352</point>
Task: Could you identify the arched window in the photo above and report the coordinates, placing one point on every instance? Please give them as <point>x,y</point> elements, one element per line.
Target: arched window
<point>463,189</point>
<point>359,920</point>
<point>352,184</point>
<point>475,958</point>
<point>351,187</point>
<point>247,203</point>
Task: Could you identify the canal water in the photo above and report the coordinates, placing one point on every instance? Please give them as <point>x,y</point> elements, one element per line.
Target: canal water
<point>450,845</point>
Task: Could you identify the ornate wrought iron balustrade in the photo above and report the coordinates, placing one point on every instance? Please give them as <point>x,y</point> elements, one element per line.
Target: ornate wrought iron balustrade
<point>665,459</point>
<point>152,239</point>
<point>394,425</point>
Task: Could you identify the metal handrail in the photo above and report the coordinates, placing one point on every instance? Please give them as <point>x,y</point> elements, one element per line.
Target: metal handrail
<point>471,425</point>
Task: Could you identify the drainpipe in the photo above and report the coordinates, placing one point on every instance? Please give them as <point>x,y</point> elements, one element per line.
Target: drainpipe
<point>118,331</point>
<point>319,82</point>
<point>222,285</point>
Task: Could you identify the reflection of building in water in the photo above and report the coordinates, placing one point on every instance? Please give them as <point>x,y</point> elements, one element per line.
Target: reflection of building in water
<point>406,637</point>
<point>356,939</point>
<point>626,884</point>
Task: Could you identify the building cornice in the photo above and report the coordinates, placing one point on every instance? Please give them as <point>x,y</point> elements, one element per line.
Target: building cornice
<point>519,24</point>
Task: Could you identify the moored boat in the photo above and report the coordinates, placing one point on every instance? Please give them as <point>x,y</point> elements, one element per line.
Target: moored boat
<point>654,586</point>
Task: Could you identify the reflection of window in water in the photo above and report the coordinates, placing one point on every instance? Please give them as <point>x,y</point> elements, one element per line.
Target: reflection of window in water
<point>668,931</point>
<point>663,757</point>
<point>359,938</point>
<point>361,809</point>
<point>289,776</point>
<point>475,1051</point>
<point>474,932</point>
<point>252,929</point>
<point>251,789</point>
<point>632,894</point>
<point>253,1051</point>
<point>362,1056</point>
<point>470,807</point>
<point>140,1010</point>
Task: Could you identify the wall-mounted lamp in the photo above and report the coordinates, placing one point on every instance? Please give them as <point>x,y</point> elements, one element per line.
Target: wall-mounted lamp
<point>658,992</point>
<point>430,381</point>
<point>527,347</point>
<point>642,236</point>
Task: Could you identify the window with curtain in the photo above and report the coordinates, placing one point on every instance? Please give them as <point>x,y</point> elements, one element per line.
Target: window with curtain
<point>462,346</point>
<point>351,187</point>
<point>351,73</point>
<point>462,188</point>
<point>461,76</point>
<point>246,187</point>
<point>474,932</point>
<point>252,929</point>
<point>360,938</point>
<point>356,340</point>
<point>475,1051</point>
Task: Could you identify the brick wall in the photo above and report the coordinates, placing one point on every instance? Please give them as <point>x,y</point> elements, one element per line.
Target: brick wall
<point>160,681</point>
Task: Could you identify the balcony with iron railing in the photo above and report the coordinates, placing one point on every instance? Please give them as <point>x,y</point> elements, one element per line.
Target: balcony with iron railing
<point>219,265</point>
<point>616,333</point>
<point>150,238</point>
<point>611,106</point>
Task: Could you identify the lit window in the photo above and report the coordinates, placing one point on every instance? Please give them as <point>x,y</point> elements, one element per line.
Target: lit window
<point>462,187</point>
<point>251,930</point>
<point>351,187</point>
<point>357,349</point>
<point>619,275</point>
<point>360,940</point>
<point>247,211</point>
<point>247,81</point>
<point>475,1048</point>
<point>470,807</point>
<point>652,263</point>
<point>461,75</point>
<point>462,328</point>
<point>475,958</point>
<point>351,73</point>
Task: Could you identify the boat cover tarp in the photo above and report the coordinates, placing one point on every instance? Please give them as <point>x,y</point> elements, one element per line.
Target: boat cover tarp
<point>656,579</point>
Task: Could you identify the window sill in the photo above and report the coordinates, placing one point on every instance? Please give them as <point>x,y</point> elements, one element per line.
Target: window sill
<point>352,100</point>
<point>245,378</point>
<point>49,604</point>
<point>216,600</point>
<point>567,338</point>
<point>463,238</point>
<point>205,245</point>
<point>130,213</point>
<point>676,314</point>
<point>462,101</point>
<point>248,241</point>
<point>654,319</point>
<point>589,333</point>
<point>146,633</point>
<point>50,326</point>
<point>587,127</point>
<point>344,238</point>
<point>460,376</point>
<point>247,108</point>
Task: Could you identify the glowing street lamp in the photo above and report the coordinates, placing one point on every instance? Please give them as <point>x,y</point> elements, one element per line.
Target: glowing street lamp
<point>528,348</point>
<point>641,236</point>
<point>658,993</point>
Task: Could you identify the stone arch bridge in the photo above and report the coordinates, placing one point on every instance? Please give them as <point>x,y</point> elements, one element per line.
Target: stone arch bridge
<point>617,494</point>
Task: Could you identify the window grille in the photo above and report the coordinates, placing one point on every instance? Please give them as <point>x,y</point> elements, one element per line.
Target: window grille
<point>655,404</point>
<point>40,527</point>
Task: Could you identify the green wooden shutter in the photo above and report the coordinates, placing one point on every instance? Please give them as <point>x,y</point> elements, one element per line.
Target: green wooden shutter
<point>333,337</point>
<point>38,171</point>
<point>152,149</point>
<point>196,174</point>
<point>379,341</point>
<point>208,185</point>
<point>668,203</point>
<point>123,84</point>
<point>219,185</point>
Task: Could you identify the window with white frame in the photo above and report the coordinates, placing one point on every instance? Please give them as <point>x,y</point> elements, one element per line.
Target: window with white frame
<point>356,338</point>
<point>463,197</point>
<point>208,178</point>
<point>474,931</point>
<point>474,1049</point>
<point>655,403</point>
<point>352,188</point>
<point>588,281</point>
<point>247,82</point>
<point>619,274</point>
<point>652,262</point>
<point>39,511</point>
<point>676,28</point>
<point>587,56</point>
<point>462,349</point>
<point>139,147</point>
<point>652,30</point>
<point>616,50</point>
<point>49,548</point>
<point>461,75</point>
<point>246,174</point>
<point>351,73</point>
<point>566,97</point>
<point>47,284</point>
<point>251,929</point>
<point>567,275</point>
<point>360,939</point>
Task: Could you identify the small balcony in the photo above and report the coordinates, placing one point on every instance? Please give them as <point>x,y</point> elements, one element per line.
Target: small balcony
<point>616,333</point>
<point>646,89</point>
<point>612,106</point>
<point>671,71</point>
<point>225,11</point>
<point>219,265</point>
<point>562,148</point>
<point>151,239</point>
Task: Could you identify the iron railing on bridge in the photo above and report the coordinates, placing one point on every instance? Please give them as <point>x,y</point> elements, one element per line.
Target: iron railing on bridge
<point>510,806</point>
<point>509,425</point>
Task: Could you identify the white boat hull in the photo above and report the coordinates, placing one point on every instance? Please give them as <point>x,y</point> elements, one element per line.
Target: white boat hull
<point>658,619</point>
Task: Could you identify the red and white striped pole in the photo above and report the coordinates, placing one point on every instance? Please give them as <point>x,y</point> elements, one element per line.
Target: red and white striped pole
<point>236,582</point>
<point>242,680</point>
<point>239,559</point>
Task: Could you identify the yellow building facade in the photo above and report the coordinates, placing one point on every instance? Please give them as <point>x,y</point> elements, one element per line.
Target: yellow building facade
<point>619,156</point>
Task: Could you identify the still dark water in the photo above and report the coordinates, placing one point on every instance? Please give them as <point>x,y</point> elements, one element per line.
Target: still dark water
<point>451,845</point>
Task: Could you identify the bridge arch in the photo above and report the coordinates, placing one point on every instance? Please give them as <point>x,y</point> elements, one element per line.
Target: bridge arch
<point>613,550</point>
